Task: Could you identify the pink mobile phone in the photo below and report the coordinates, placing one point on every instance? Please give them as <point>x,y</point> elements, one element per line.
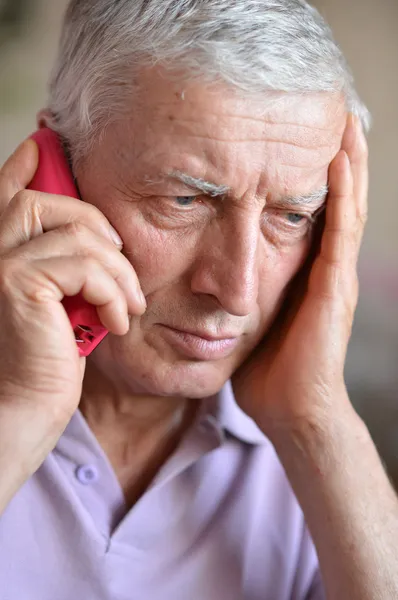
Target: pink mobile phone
<point>54,176</point>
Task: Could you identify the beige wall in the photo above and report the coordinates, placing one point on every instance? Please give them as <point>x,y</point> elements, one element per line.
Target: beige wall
<point>366,29</point>
<point>24,66</point>
<point>367,32</point>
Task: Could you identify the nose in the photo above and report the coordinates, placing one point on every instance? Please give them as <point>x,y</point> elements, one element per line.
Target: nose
<point>227,267</point>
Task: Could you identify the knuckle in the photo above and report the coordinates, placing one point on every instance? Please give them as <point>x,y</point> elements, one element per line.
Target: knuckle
<point>82,238</point>
<point>76,229</point>
<point>23,200</point>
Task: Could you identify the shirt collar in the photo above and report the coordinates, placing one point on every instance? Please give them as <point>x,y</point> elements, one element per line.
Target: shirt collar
<point>222,409</point>
<point>232,419</point>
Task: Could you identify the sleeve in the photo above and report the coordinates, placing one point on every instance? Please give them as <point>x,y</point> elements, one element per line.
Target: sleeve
<point>308,583</point>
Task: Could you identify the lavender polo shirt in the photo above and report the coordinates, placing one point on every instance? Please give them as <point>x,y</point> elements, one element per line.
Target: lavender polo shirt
<point>219,522</point>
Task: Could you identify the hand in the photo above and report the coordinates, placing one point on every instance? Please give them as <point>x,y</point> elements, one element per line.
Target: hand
<point>297,375</point>
<point>50,246</point>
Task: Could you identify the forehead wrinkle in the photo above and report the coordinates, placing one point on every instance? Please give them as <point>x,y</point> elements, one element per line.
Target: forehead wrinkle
<point>206,187</point>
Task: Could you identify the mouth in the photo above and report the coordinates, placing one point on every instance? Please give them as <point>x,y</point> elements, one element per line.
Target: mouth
<point>201,345</point>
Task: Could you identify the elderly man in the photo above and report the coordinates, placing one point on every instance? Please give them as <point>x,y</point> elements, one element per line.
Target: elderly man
<point>207,449</point>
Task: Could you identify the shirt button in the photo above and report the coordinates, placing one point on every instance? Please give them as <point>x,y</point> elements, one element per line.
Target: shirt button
<point>87,474</point>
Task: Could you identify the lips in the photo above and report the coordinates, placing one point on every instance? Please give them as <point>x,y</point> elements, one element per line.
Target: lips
<point>207,335</point>
<point>200,345</point>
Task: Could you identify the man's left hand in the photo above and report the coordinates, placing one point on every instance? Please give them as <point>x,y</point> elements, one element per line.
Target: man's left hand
<point>297,375</point>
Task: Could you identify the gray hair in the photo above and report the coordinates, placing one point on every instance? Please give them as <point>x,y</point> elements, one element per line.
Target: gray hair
<point>252,45</point>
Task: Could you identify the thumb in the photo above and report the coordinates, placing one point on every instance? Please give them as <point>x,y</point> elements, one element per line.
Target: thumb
<point>18,171</point>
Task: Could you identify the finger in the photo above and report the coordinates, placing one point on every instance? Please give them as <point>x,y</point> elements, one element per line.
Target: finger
<point>355,144</point>
<point>77,240</point>
<point>18,171</point>
<point>51,279</point>
<point>340,218</point>
<point>339,247</point>
<point>31,213</point>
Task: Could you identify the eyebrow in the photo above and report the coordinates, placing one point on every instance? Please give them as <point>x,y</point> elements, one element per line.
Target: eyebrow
<point>205,187</point>
<point>304,200</point>
<point>214,190</point>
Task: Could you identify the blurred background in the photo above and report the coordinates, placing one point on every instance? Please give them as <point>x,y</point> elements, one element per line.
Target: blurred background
<point>366,30</point>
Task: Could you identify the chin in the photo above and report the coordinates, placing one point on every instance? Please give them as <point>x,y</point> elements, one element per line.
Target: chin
<point>144,371</point>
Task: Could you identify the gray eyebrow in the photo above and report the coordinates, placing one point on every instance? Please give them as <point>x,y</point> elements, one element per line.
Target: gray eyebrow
<point>313,198</point>
<point>210,189</point>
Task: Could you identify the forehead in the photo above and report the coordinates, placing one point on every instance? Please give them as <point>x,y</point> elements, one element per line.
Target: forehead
<point>280,140</point>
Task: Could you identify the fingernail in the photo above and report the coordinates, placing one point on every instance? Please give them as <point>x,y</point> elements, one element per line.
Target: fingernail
<point>142,298</point>
<point>358,131</point>
<point>352,121</point>
<point>117,240</point>
<point>350,132</point>
<point>345,158</point>
<point>357,123</point>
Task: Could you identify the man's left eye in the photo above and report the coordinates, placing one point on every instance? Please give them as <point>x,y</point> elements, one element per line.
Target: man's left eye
<point>295,218</point>
<point>185,200</point>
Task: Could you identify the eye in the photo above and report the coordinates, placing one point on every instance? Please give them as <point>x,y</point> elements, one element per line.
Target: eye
<point>295,218</point>
<point>185,200</point>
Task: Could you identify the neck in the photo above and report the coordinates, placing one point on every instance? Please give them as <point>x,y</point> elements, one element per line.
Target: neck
<point>138,433</point>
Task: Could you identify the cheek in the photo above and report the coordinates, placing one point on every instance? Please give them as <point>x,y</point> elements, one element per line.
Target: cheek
<point>277,272</point>
<point>160,258</point>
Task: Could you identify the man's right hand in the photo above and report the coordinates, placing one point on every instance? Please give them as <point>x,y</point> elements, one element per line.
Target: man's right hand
<point>50,247</point>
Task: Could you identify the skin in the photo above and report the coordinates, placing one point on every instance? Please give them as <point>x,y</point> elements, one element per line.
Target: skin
<point>230,267</point>
<point>229,259</point>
